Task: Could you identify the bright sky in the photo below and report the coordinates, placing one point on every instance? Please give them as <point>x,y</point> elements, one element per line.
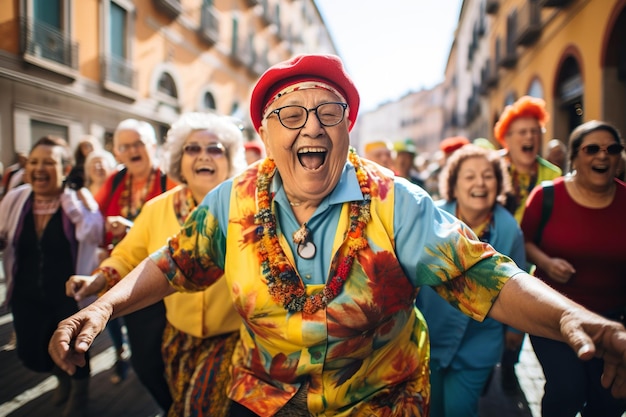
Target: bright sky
<point>391,47</point>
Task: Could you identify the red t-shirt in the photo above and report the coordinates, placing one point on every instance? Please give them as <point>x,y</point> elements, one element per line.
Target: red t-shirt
<point>592,240</point>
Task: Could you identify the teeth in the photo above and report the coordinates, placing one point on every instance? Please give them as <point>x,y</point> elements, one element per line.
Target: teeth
<point>311,150</point>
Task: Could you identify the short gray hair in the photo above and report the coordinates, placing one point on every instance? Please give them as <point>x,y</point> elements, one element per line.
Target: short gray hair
<point>144,129</point>
<point>227,130</point>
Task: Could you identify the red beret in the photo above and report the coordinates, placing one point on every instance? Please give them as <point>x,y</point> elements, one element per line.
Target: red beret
<point>254,146</point>
<point>324,68</point>
<point>449,145</point>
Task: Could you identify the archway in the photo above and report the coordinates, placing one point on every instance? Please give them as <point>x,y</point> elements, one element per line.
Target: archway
<point>568,100</point>
<point>613,66</point>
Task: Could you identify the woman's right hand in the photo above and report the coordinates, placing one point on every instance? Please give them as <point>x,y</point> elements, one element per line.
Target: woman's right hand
<point>82,286</point>
<point>75,335</point>
<point>559,270</point>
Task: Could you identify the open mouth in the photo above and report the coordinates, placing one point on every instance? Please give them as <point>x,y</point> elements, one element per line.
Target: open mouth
<point>600,169</point>
<point>136,158</point>
<point>478,194</point>
<point>205,170</point>
<point>528,148</point>
<point>312,158</point>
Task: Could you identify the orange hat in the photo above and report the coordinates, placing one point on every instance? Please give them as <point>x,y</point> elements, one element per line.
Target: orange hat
<point>325,69</point>
<point>451,144</point>
<point>525,106</point>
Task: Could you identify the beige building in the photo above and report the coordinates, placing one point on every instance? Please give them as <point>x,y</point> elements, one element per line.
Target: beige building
<point>75,67</point>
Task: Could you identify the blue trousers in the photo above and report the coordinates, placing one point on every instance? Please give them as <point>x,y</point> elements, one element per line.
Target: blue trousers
<point>573,385</point>
<point>455,393</point>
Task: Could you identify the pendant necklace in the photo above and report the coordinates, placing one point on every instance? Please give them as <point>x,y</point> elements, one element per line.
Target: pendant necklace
<point>302,237</point>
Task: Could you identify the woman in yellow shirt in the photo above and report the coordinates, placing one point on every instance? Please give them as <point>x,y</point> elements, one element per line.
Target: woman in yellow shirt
<point>202,151</point>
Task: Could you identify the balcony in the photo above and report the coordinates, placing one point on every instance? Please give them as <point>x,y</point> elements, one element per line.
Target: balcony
<point>48,47</point>
<point>209,30</point>
<point>529,23</point>
<point>492,6</point>
<point>172,8</point>
<point>119,76</point>
<point>241,52</point>
<point>555,3</point>
<point>492,74</point>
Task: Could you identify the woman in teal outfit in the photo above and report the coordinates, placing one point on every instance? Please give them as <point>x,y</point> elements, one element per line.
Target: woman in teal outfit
<point>464,351</point>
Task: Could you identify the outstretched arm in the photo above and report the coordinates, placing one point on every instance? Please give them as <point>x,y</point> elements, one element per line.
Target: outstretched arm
<point>530,305</point>
<point>142,287</point>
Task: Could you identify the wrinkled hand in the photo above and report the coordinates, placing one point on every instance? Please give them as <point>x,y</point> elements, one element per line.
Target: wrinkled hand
<point>75,335</point>
<point>560,270</point>
<point>592,335</point>
<point>81,286</point>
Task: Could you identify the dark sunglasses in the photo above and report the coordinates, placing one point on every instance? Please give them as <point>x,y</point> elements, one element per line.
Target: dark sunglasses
<point>215,150</point>
<point>593,149</point>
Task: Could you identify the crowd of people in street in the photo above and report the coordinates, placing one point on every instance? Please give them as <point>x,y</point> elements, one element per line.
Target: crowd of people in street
<point>289,276</point>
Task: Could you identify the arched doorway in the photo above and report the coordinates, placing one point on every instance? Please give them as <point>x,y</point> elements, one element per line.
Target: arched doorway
<point>569,97</point>
<point>614,69</point>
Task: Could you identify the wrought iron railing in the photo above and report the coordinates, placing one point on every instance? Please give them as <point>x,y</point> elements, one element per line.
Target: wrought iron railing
<point>43,41</point>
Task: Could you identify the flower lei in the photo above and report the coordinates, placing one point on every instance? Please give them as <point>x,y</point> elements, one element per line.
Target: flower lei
<point>283,283</point>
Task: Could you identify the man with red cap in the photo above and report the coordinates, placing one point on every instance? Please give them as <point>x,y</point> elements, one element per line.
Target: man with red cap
<point>324,253</point>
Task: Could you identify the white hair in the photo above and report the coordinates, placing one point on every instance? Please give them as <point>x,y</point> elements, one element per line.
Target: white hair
<point>227,130</point>
<point>144,129</point>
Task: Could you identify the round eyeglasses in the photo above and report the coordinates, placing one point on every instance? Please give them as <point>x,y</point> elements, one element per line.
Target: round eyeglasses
<point>614,149</point>
<point>295,117</point>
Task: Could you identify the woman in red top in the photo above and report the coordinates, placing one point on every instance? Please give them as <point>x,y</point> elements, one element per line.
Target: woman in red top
<point>121,198</point>
<point>581,253</point>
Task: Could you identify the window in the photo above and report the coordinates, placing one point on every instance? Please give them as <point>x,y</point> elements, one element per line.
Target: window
<point>167,85</point>
<point>47,38</point>
<point>118,74</point>
<point>39,129</point>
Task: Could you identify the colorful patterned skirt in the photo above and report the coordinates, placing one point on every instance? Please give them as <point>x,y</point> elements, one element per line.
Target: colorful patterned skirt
<point>198,372</point>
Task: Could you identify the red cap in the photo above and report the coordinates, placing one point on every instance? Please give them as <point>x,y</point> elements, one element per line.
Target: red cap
<point>254,146</point>
<point>324,68</point>
<point>449,145</point>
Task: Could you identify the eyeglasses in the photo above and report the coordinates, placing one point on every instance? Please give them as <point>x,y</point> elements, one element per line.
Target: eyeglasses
<point>295,117</point>
<point>593,149</point>
<point>214,150</point>
<point>524,132</point>
<point>126,147</point>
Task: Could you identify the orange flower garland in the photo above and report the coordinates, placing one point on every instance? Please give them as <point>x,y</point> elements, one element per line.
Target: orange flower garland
<point>283,283</point>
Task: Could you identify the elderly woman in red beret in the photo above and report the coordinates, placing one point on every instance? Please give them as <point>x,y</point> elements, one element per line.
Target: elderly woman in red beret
<point>323,254</point>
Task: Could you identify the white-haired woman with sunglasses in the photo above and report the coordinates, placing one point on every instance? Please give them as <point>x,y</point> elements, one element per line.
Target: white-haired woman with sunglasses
<point>202,150</point>
<point>580,252</point>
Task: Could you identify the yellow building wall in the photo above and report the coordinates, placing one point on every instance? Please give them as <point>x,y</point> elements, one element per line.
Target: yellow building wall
<point>580,27</point>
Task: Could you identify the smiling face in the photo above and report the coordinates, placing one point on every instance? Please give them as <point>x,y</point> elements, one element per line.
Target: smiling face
<point>45,170</point>
<point>203,171</point>
<point>310,159</point>
<point>476,186</point>
<point>131,151</point>
<point>596,171</point>
<point>98,169</point>
<point>523,139</point>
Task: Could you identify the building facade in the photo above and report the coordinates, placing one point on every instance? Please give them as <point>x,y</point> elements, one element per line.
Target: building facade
<point>76,67</point>
<point>571,53</point>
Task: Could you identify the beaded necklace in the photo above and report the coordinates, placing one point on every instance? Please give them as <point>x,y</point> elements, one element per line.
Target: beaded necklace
<point>128,209</point>
<point>283,283</point>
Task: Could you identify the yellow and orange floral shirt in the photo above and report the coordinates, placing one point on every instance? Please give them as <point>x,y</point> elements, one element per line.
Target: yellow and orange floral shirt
<point>367,352</point>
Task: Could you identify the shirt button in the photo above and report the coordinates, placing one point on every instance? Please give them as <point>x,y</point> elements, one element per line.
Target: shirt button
<point>308,276</point>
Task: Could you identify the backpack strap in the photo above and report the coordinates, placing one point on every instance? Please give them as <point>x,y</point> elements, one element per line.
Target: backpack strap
<point>119,176</point>
<point>163,182</point>
<point>546,208</point>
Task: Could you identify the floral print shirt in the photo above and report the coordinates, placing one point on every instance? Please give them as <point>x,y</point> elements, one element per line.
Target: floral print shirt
<point>367,352</point>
